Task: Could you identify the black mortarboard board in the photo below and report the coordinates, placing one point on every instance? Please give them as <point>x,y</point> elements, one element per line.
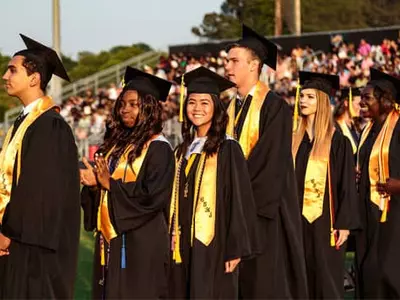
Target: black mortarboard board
<point>204,81</point>
<point>50,57</point>
<point>323,82</point>
<point>344,93</point>
<point>386,81</point>
<point>142,82</point>
<point>266,50</point>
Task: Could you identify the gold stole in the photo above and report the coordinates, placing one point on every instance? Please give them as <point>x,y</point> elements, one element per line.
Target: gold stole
<point>204,206</point>
<point>250,131</point>
<point>347,133</point>
<point>127,173</point>
<point>12,149</point>
<point>379,163</point>
<point>318,169</point>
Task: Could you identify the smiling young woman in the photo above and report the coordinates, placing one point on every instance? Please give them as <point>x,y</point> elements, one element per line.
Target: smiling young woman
<point>378,244</point>
<point>212,213</point>
<point>127,194</point>
<point>325,172</point>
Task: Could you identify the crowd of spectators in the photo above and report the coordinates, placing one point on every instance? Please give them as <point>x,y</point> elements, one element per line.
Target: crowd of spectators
<point>87,113</point>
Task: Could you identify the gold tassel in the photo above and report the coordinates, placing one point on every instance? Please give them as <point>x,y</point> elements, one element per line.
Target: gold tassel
<point>333,239</point>
<point>181,99</point>
<point>397,107</point>
<point>102,254</point>
<point>351,110</point>
<point>123,82</point>
<point>296,107</point>
<point>385,211</point>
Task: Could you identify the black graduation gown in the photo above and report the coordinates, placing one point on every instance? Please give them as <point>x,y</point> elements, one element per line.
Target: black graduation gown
<point>43,217</point>
<point>378,245</point>
<point>202,274</point>
<point>325,264</point>
<point>279,270</point>
<point>138,210</point>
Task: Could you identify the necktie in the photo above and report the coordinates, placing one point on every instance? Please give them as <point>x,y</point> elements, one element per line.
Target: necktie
<point>17,123</point>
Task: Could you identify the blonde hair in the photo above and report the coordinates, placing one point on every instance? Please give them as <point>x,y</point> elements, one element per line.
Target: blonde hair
<point>323,128</point>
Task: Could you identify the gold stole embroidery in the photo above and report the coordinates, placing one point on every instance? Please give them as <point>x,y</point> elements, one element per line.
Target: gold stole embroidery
<point>204,206</point>
<point>379,163</point>
<point>250,131</point>
<point>12,149</point>
<point>347,133</point>
<point>125,172</point>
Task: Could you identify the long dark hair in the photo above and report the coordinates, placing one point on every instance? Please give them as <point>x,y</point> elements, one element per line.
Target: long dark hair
<point>216,133</point>
<point>147,124</point>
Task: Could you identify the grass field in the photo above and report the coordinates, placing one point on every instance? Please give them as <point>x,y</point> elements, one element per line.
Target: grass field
<point>83,284</point>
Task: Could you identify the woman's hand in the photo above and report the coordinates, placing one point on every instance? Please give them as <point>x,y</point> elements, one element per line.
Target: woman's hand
<point>231,265</point>
<point>102,172</point>
<point>88,176</point>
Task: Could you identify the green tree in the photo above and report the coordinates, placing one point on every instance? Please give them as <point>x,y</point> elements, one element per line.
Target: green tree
<point>258,14</point>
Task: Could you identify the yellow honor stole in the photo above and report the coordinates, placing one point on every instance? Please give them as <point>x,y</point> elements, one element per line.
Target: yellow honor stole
<point>204,206</point>
<point>12,150</point>
<point>347,133</point>
<point>379,163</point>
<point>127,173</point>
<point>251,127</point>
<point>318,170</point>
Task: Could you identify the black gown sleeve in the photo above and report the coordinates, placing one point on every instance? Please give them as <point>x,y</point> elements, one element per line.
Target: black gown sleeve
<point>47,193</point>
<point>90,200</point>
<point>241,231</point>
<point>271,157</point>
<point>347,208</point>
<point>133,204</point>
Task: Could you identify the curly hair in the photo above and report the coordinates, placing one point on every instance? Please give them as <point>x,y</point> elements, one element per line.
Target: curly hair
<point>147,124</point>
<point>383,91</point>
<point>216,133</point>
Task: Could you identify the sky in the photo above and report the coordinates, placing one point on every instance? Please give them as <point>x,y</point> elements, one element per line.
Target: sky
<point>95,25</point>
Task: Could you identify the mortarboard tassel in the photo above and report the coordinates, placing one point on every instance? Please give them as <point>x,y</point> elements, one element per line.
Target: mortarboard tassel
<point>351,110</point>
<point>397,107</point>
<point>296,107</point>
<point>181,99</point>
<point>123,82</point>
<point>123,252</point>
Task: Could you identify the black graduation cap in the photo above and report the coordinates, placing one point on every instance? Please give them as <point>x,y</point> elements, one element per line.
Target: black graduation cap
<point>266,50</point>
<point>323,82</point>
<point>345,92</point>
<point>135,79</point>
<point>386,81</point>
<point>53,62</point>
<point>204,81</point>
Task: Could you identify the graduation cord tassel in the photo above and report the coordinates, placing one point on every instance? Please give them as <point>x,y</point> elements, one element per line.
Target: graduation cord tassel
<point>181,98</point>
<point>123,252</point>
<point>176,254</point>
<point>331,209</point>
<point>296,107</point>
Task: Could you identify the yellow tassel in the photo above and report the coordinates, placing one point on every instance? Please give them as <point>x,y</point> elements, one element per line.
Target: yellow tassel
<point>176,255</point>
<point>351,110</point>
<point>333,240</point>
<point>384,212</point>
<point>181,99</point>
<point>397,107</point>
<point>296,107</point>
<point>123,82</point>
<point>102,255</point>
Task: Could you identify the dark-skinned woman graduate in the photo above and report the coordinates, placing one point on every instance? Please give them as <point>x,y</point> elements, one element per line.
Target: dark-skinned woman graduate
<point>212,215</point>
<point>325,171</point>
<point>378,244</point>
<point>127,195</point>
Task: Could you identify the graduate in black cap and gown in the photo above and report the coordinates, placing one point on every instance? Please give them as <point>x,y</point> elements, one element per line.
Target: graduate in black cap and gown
<point>212,214</point>
<point>126,195</point>
<point>378,244</point>
<point>325,172</point>
<point>261,121</point>
<point>347,115</point>
<point>39,187</point>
